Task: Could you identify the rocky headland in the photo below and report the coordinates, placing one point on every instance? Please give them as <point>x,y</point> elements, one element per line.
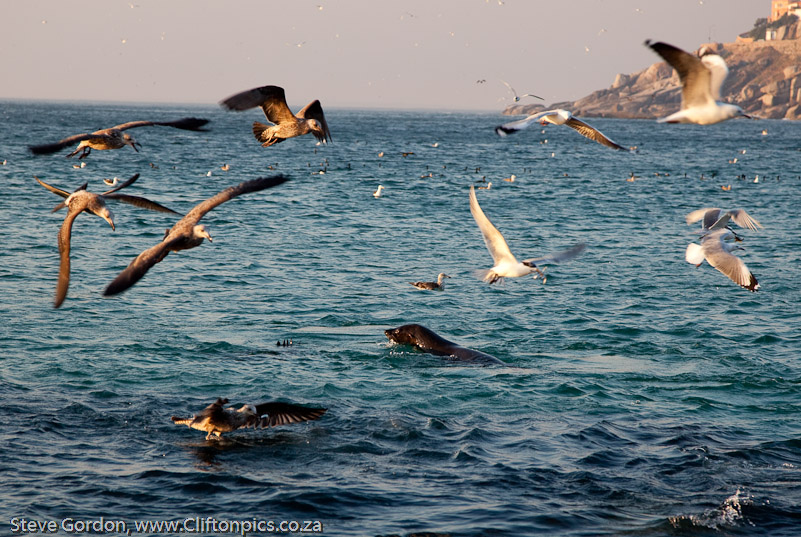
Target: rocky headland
<point>764,79</point>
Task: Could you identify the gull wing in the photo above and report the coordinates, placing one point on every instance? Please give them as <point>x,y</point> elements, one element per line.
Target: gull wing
<point>314,110</point>
<point>718,71</point>
<point>271,99</point>
<point>131,180</point>
<point>64,236</point>
<point>520,124</point>
<point>56,190</point>
<point>592,133</point>
<point>141,202</point>
<point>709,215</point>
<point>272,414</point>
<point>255,185</point>
<point>695,77</point>
<point>740,217</point>
<point>495,242</point>
<point>718,256</point>
<point>138,268</point>
<point>185,123</point>
<point>558,257</point>
<point>46,149</point>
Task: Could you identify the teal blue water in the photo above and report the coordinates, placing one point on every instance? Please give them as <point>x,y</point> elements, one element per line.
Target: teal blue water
<point>643,396</point>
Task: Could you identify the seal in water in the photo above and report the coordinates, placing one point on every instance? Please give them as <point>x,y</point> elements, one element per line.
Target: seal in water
<point>424,339</point>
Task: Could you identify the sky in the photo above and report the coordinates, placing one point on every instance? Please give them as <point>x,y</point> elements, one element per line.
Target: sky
<point>410,54</point>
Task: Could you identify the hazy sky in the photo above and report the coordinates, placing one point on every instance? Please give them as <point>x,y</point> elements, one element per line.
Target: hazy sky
<point>347,53</point>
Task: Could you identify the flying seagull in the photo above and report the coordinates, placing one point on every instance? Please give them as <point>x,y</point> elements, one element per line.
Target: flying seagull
<point>113,137</point>
<point>272,100</point>
<point>76,203</point>
<point>713,218</point>
<point>431,285</point>
<point>558,117</point>
<point>83,201</point>
<point>718,253</point>
<point>506,266</point>
<point>185,234</point>
<point>701,80</point>
<point>516,98</point>
<point>137,201</point>
<point>215,419</point>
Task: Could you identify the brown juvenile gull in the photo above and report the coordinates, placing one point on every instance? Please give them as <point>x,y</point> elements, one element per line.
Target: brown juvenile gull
<point>79,201</point>
<point>506,265</point>
<point>215,419</point>
<point>185,234</point>
<point>113,137</point>
<point>271,99</point>
<point>431,285</point>
<point>717,252</point>
<point>76,203</point>
<point>137,201</point>
<point>701,79</point>
<point>558,117</point>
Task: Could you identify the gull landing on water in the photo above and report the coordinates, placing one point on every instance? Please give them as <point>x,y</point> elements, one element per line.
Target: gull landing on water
<point>113,137</point>
<point>701,80</point>
<point>431,285</point>
<point>718,253</point>
<point>215,419</point>
<point>272,101</point>
<point>558,117</point>
<point>506,266</point>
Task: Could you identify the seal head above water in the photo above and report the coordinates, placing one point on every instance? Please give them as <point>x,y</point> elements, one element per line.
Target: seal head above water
<point>427,341</point>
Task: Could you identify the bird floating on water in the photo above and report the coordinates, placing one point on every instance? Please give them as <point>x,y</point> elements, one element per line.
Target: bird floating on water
<point>272,101</point>
<point>558,117</point>
<point>701,80</point>
<point>506,266</point>
<point>113,137</point>
<point>215,419</point>
<point>185,234</point>
<point>718,252</point>
<point>431,285</point>
<point>377,193</point>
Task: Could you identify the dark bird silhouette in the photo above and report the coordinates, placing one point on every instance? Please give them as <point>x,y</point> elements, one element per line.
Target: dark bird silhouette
<point>113,137</point>
<point>272,100</point>
<point>215,419</point>
<point>185,234</point>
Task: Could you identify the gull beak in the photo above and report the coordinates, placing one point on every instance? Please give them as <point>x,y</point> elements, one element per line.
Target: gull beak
<point>111,223</point>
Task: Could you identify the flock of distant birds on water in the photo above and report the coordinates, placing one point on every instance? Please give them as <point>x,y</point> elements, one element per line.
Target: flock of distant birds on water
<point>701,76</point>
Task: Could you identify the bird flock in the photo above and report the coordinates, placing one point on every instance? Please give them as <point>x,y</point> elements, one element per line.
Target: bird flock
<point>701,77</point>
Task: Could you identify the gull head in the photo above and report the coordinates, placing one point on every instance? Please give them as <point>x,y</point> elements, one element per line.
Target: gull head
<point>200,232</point>
<point>127,139</point>
<point>106,215</point>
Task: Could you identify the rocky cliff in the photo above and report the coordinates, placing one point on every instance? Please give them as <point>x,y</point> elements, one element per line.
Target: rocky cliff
<point>764,79</point>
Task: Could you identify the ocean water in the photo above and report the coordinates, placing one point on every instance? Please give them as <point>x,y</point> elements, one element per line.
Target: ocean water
<point>643,396</point>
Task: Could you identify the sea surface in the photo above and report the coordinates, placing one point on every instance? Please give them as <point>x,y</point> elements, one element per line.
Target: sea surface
<point>643,396</point>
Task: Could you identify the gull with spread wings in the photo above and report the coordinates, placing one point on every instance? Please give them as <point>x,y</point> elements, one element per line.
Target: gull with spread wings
<point>185,234</point>
<point>701,80</point>
<point>113,137</point>
<point>506,265</point>
<point>272,101</point>
<point>558,117</point>
<point>215,419</point>
<point>80,201</point>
